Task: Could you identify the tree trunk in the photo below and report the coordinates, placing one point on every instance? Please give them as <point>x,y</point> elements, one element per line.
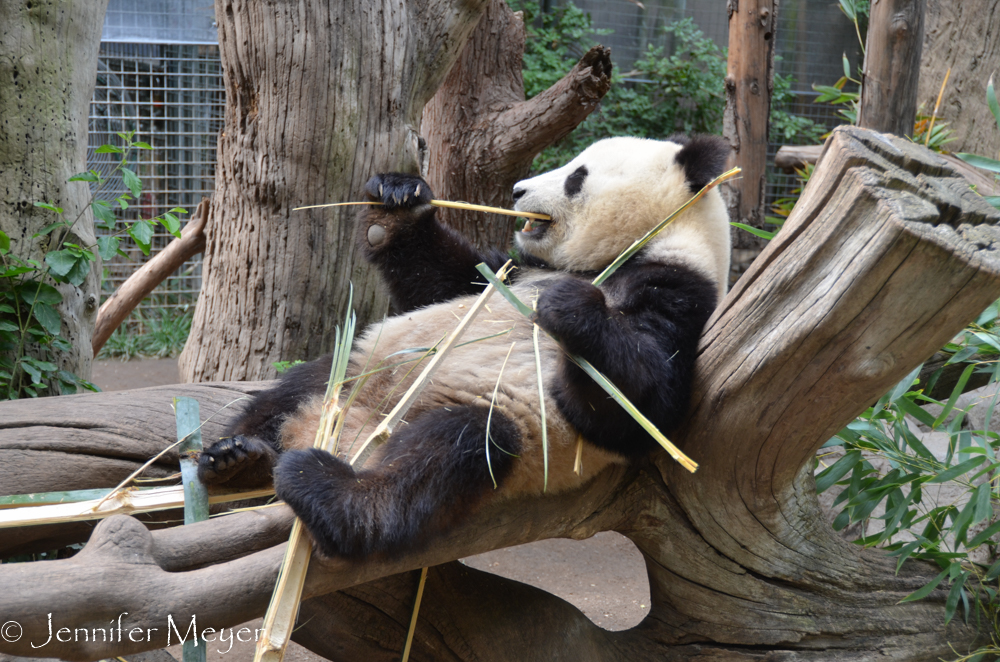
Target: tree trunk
<point>749,85</point>
<point>48,66</point>
<point>886,256</point>
<point>891,71</point>
<point>320,96</point>
<point>964,36</point>
<point>482,135</point>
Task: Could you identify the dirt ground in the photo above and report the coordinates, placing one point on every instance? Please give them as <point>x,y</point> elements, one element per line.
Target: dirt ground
<point>604,577</point>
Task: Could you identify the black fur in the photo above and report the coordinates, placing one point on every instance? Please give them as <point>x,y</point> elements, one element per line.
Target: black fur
<point>574,183</point>
<point>245,456</point>
<point>646,345</point>
<point>422,261</point>
<point>434,474</point>
<point>703,158</point>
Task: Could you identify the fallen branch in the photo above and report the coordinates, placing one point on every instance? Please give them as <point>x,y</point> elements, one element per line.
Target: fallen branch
<point>148,276</point>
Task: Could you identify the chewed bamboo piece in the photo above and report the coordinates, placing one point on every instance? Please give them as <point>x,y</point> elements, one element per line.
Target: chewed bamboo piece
<point>284,607</point>
<point>446,203</point>
<point>128,501</point>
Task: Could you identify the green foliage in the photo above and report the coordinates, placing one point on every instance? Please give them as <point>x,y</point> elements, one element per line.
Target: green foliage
<point>282,366</point>
<point>30,325</point>
<point>160,333</point>
<point>915,526</point>
<point>663,94</point>
<point>983,162</point>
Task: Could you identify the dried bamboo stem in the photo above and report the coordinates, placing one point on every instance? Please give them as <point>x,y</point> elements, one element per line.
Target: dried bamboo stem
<point>129,501</point>
<point>445,203</point>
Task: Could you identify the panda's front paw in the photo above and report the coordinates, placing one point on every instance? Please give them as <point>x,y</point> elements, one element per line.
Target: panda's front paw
<point>241,460</point>
<point>396,190</point>
<point>574,311</point>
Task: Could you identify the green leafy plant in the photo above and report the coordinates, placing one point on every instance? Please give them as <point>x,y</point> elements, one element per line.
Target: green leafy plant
<point>158,333</point>
<point>663,93</point>
<point>983,162</point>
<point>30,324</point>
<point>885,466</point>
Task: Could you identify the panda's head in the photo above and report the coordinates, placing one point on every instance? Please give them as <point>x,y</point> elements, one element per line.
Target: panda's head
<point>617,190</point>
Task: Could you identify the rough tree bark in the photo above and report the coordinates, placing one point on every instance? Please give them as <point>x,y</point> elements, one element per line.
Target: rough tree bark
<point>964,36</point>
<point>890,76</point>
<point>745,124</point>
<point>885,257</point>
<point>48,65</point>
<point>482,135</point>
<point>320,96</point>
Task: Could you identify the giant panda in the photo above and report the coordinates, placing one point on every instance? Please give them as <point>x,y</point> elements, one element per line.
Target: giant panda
<point>640,328</point>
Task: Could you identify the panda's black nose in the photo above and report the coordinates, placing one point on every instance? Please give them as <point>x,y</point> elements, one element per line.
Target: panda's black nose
<point>519,193</point>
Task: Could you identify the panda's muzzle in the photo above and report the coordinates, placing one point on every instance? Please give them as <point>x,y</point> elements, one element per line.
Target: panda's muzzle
<point>535,228</point>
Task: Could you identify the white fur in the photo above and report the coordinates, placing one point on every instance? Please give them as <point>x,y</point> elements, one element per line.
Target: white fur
<point>632,184</point>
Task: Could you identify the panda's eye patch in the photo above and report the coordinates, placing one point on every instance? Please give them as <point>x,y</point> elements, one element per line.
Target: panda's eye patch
<point>574,183</point>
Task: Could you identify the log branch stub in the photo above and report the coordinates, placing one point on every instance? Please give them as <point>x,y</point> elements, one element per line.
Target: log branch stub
<point>481,133</point>
<point>891,70</point>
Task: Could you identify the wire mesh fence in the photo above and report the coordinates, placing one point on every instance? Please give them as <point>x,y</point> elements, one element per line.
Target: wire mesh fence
<point>171,96</point>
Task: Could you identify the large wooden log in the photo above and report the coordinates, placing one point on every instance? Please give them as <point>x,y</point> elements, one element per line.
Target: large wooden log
<point>887,255</point>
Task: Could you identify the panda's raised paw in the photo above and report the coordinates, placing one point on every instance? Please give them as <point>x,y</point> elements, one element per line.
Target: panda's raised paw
<point>574,311</point>
<point>223,460</point>
<point>396,190</point>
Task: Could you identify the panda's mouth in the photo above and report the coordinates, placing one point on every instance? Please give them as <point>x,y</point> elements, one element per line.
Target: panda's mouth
<point>535,228</point>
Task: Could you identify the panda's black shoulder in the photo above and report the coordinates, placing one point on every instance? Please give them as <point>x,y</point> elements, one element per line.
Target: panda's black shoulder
<point>703,158</point>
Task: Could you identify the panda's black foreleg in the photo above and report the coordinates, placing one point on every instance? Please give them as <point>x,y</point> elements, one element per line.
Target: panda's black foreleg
<point>246,455</point>
<point>645,344</point>
<point>434,474</point>
<point>422,261</point>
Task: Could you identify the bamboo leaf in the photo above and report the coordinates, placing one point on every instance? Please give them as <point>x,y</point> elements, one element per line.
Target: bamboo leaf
<point>991,101</point>
<point>921,593</point>
<point>838,470</point>
<point>763,234</point>
<point>957,470</point>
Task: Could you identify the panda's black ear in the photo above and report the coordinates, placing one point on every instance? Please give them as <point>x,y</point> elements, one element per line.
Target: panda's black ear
<point>703,159</point>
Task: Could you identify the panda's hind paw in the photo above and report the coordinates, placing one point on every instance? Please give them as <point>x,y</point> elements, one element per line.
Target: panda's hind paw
<point>397,190</point>
<point>235,456</point>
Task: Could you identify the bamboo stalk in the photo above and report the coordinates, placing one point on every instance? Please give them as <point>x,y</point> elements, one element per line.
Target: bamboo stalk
<point>413,619</point>
<point>937,105</point>
<point>287,597</point>
<point>468,206</point>
<point>195,495</point>
<point>128,501</point>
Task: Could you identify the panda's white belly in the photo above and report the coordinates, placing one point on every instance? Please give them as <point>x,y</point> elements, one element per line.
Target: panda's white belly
<point>468,375</point>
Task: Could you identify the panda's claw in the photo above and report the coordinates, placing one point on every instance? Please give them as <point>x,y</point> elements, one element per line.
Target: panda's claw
<point>230,456</point>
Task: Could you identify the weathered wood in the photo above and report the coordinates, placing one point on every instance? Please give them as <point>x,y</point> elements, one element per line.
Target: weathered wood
<point>746,123</point>
<point>963,36</point>
<point>145,279</point>
<point>319,97</point>
<point>482,135</point>
<point>795,157</point>
<point>891,71</point>
<point>792,157</point>
<point>887,255</point>
<point>48,65</point>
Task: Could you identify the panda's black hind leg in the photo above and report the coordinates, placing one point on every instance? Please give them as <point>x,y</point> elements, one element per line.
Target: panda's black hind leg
<point>433,475</point>
<point>239,461</point>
